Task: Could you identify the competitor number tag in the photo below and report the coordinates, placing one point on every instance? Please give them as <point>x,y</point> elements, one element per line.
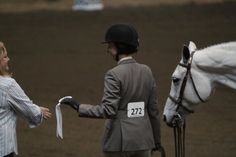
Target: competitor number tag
<point>135,109</point>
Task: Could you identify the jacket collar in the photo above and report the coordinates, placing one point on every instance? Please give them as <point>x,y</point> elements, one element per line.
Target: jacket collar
<point>126,60</point>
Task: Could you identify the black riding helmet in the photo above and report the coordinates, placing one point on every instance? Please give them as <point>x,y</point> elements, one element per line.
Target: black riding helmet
<point>124,36</point>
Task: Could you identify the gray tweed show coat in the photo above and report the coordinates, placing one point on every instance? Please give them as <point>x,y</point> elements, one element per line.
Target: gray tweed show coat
<point>130,106</point>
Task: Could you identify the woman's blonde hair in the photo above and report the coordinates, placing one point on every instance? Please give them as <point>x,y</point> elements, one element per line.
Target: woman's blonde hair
<point>2,48</point>
<point>2,51</point>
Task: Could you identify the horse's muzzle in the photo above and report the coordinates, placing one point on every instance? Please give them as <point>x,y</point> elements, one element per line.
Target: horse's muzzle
<point>177,120</point>
<point>170,124</point>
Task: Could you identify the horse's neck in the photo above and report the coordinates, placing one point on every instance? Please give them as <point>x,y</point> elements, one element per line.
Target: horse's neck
<point>218,63</point>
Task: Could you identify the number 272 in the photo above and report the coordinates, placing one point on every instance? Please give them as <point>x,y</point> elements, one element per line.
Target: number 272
<point>136,111</point>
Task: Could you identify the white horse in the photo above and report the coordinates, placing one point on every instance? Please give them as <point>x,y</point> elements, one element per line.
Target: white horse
<point>197,75</point>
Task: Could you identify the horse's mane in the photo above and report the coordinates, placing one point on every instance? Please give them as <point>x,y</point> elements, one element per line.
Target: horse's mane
<point>226,46</point>
<point>220,61</point>
<point>221,56</point>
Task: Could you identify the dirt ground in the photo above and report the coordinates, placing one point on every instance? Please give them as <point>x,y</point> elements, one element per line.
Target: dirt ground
<point>58,53</point>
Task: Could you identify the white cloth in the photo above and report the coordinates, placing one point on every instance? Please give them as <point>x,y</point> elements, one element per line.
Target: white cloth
<point>59,131</point>
<point>59,121</point>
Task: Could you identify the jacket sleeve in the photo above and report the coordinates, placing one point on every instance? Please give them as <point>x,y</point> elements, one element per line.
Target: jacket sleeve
<point>21,103</point>
<point>110,101</point>
<point>154,114</point>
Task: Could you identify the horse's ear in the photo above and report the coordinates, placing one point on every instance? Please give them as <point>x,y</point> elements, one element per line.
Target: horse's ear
<point>186,54</point>
<point>192,46</point>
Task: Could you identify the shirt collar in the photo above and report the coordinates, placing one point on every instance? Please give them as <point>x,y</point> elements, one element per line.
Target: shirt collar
<point>125,58</point>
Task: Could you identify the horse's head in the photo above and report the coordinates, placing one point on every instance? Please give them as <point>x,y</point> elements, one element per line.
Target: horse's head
<point>189,87</point>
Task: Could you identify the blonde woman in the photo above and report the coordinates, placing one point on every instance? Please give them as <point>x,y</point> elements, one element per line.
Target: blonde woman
<point>13,100</point>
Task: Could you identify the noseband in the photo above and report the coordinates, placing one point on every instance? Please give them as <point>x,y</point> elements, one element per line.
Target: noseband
<point>179,100</point>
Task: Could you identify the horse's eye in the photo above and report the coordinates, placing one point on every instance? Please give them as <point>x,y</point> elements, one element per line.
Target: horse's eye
<point>175,80</point>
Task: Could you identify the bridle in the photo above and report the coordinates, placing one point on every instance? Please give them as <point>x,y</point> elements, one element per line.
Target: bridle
<point>178,122</point>
<point>179,100</point>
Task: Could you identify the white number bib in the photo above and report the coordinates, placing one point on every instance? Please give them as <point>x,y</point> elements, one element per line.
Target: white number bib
<point>135,109</point>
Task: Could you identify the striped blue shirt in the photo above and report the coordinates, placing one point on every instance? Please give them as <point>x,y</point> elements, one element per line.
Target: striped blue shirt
<point>13,100</point>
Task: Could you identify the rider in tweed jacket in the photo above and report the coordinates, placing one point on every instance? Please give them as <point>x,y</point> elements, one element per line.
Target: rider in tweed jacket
<point>129,102</point>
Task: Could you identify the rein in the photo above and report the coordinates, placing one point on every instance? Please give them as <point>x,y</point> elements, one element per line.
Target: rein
<point>179,136</point>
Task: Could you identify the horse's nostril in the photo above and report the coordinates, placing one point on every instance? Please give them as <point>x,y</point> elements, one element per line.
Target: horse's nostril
<point>164,118</point>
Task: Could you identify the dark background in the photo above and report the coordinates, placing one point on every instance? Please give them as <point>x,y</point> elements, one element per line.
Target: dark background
<point>58,53</point>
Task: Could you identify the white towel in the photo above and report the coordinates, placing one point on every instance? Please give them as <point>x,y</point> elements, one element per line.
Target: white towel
<point>59,121</point>
<point>59,132</point>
